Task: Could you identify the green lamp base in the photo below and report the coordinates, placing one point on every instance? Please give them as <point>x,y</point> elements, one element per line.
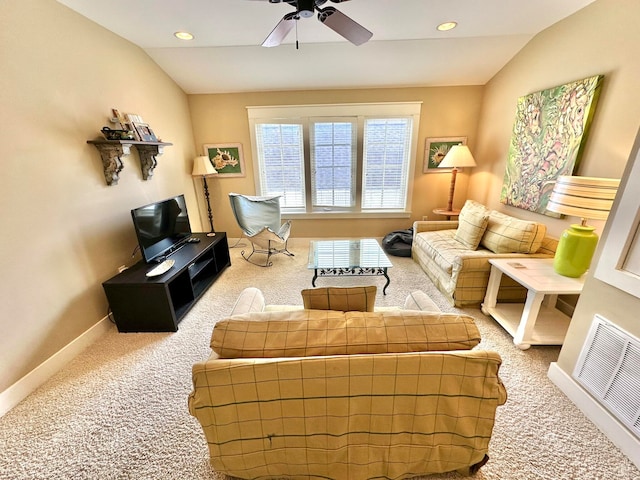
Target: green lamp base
<point>575,251</point>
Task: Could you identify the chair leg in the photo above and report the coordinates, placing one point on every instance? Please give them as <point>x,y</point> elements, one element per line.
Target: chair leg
<point>247,258</point>
<point>286,251</point>
<point>238,244</point>
<point>269,252</point>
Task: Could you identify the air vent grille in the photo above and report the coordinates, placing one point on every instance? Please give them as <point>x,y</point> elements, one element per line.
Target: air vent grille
<point>608,368</point>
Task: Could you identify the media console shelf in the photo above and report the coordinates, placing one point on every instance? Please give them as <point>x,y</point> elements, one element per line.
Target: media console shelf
<point>157,304</point>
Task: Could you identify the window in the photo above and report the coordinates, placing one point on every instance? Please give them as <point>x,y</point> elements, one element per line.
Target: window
<point>336,159</point>
<point>333,163</point>
<point>387,143</point>
<point>281,162</point>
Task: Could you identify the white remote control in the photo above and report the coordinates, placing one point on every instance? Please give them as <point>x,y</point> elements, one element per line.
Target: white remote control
<point>161,268</point>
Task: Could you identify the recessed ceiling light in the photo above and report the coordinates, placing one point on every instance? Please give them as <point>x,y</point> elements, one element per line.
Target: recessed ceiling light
<point>183,35</point>
<point>443,27</point>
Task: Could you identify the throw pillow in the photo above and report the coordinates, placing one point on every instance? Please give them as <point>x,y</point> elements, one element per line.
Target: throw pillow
<point>507,234</point>
<point>360,299</point>
<point>321,333</point>
<point>472,223</point>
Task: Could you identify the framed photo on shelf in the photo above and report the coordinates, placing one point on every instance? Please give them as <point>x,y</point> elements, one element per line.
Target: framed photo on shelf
<point>435,150</point>
<point>226,158</point>
<point>144,132</point>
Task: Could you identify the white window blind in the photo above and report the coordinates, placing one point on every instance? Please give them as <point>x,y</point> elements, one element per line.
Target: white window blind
<point>387,143</point>
<point>333,163</point>
<point>354,159</point>
<point>281,160</point>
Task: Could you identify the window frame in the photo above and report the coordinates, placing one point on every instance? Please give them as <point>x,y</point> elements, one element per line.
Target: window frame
<point>361,111</point>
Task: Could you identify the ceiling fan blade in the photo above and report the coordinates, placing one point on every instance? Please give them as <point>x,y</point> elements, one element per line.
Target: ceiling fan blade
<point>343,25</point>
<point>282,29</point>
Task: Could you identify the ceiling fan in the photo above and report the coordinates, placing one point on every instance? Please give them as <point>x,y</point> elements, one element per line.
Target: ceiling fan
<point>329,16</point>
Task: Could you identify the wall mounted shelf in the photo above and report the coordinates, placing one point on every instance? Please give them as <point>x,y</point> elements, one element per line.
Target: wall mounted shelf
<point>112,151</point>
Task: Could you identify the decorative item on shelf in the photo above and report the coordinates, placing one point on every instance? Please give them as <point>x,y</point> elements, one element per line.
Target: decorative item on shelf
<point>118,119</point>
<point>111,134</point>
<point>144,132</point>
<point>129,120</point>
<point>458,156</point>
<point>202,167</point>
<point>587,198</point>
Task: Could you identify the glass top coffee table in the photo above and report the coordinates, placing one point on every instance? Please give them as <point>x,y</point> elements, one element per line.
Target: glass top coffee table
<point>340,258</point>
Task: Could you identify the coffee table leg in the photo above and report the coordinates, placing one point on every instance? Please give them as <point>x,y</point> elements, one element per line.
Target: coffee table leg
<point>384,289</point>
<point>315,276</point>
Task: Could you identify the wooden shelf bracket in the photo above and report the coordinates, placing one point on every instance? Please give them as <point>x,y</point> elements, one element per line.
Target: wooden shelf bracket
<point>112,151</point>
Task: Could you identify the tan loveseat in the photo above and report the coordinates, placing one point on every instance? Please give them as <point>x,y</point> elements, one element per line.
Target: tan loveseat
<point>345,395</point>
<point>455,254</point>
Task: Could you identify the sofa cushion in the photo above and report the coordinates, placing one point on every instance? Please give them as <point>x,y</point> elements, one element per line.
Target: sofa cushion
<point>472,222</point>
<point>361,299</point>
<point>322,333</point>
<point>441,247</point>
<point>506,234</point>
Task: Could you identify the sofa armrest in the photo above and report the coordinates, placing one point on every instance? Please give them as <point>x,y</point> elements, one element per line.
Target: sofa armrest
<point>432,225</point>
<point>250,300</point>
<point>419,300</point>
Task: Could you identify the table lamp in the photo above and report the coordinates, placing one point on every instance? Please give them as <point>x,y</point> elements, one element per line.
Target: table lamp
<point>202,167</point>
<point>458,156</point>
<point>587,198</point>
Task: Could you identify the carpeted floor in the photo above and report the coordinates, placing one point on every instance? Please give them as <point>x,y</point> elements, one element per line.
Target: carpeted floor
<point>119,410</point>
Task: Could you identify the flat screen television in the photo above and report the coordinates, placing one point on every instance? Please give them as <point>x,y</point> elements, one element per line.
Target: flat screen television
<point>161,227</point>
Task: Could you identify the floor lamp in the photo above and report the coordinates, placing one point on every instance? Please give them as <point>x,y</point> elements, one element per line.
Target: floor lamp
<point>202,167</point>
<point>458,156</point>
<point>587,198</point>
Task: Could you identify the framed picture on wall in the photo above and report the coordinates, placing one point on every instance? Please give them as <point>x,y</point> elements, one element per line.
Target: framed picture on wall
<point>547,140</point>
<point>226,158</point>
<point>435,150</point>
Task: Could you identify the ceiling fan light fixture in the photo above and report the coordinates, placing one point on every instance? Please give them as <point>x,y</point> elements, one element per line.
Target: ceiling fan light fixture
<point>306,8</point>
<point>446,26</point>
<point>183,35</point>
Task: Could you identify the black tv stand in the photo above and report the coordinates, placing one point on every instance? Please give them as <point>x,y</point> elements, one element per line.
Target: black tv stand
<point>157,304</point>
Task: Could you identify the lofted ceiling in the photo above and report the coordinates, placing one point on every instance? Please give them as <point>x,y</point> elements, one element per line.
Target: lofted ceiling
<point>406,50</point>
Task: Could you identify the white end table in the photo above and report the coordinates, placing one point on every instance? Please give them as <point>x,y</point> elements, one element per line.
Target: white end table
<point>534,323</point>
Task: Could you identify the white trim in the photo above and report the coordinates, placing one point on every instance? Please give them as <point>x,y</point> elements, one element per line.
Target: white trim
<point>343,215</point>
<point>339,110</point>
<point>594,411</point>
<point>619,261</point>
<point>43,372</point>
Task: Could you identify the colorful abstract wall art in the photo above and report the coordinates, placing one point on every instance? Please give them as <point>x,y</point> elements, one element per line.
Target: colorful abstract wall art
<point>548,137</point>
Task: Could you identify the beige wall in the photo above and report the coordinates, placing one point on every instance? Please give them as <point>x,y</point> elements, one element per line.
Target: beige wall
<point>446,111</point>
<point>603,38</point>
<point>64,231</point>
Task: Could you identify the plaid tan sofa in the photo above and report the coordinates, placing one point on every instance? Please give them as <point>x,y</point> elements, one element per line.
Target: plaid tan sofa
<point>345,395</point>
<point>460,272</point>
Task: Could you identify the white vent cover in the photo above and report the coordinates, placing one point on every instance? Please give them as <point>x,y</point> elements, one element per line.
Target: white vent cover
<point>609,368</point>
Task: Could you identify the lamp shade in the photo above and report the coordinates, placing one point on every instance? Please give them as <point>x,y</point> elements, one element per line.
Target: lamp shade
<point>587,198</point>
<point>458,156</point>
<point>584,197</point>
<point>202,167</point>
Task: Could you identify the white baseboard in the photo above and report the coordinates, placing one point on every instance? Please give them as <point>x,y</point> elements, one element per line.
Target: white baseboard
<point>619,435</point>
<point>36,377</point>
